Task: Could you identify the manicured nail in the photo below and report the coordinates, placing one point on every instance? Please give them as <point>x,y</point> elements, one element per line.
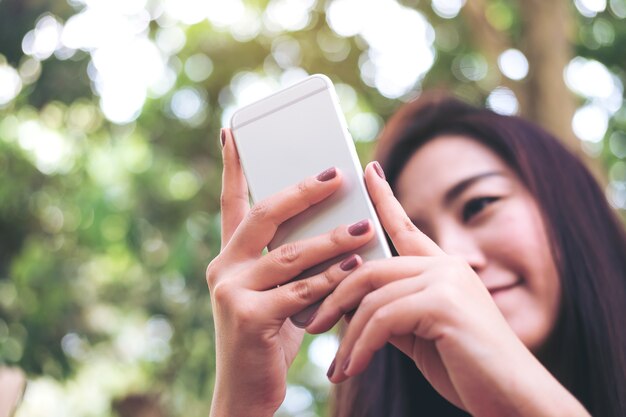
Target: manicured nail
<point>346,365</point>
<point>379,170</point>
<point>329,174</point>
<point>359,228</point>
<point>331,369</point>
<point>310,319</point>
<point>223,137</point>
<point>349,263</point>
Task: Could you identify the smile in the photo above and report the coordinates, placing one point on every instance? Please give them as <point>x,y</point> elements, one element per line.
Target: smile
<point>502,288</point>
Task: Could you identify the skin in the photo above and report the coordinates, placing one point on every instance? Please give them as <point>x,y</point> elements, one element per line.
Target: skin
<point>433,302</point>
<point>493,223</point>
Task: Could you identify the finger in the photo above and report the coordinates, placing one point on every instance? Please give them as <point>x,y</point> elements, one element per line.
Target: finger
<point>399,318</point>
<point>403,320</point>
<point>375,301</point>
<point>370,305</point>
<point>291,259</point>
<point>234,199</point>
<point>406,237</point>
<point>293,297</point>
<point>422,351</point>
<point>260,224</point>
<point>372,276</point>
<point>430,365</point>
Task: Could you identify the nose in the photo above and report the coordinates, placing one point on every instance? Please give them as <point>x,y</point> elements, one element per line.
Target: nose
<point>462,244</point>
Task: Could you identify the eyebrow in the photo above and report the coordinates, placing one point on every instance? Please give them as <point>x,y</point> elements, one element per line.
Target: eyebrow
<point>458,189</point>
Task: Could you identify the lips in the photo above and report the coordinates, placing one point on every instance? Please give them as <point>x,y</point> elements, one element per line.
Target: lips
<point>498,288</point>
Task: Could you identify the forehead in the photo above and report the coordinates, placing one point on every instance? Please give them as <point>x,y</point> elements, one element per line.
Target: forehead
<point>443,162</point>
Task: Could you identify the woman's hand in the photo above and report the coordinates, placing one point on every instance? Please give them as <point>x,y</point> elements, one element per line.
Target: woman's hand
<point>435,309</point>
<point>251,295</point>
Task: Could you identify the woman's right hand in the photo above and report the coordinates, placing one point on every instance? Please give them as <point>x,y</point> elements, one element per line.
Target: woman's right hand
<point>251,295</point>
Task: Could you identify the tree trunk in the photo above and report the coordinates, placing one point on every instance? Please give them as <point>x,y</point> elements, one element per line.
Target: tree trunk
<point>546,40</point>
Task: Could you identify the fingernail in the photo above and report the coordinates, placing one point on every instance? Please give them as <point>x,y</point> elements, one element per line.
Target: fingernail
<point>331,369</point>
<point>329,174</point>
<point>359,228</point>
<point>346,365</point>
<point>349,263</point>
<point>379,170</point>
<point>223,137</point>
<point>310,319</point>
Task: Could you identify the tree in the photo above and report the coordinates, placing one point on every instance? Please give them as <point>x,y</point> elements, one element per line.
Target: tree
<point>110,160</point>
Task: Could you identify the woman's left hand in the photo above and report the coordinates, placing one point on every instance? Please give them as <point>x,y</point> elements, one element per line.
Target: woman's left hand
<point>435,309</point>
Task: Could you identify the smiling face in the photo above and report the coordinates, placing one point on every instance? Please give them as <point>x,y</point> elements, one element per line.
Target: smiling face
<point>465,197</point>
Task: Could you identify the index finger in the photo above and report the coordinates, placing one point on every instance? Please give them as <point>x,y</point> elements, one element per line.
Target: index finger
<point>406,237</point>
<point>261,223</point>
<point>234,199</point>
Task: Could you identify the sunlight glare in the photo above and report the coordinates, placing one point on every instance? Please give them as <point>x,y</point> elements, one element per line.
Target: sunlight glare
<point>400,40</point>
<point>289,15</point>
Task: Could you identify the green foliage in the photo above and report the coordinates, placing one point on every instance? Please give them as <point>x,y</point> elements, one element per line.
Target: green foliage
<point>106,228</point>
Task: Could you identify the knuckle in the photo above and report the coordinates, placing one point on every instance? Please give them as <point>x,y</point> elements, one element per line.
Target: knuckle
<point>329,278</point>
<point>303,188</point>
<point>381,316</point>
<point>288,253</point>
<point>259,211</point>
<point>335,237</point>
<point>302,290</point>
<point>367,276</point>
<point>408,226</point>
<point>368,302</point>
<point>221,293</point>
<point>212,272</point>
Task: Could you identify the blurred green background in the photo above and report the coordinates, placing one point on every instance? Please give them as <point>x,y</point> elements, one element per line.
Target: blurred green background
<point>110,161</point>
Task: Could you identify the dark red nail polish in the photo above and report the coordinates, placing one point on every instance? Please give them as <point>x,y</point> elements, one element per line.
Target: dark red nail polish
<point>310,319</point>
<point>331,369</point>
<point>329,174</point>
<point>359,228</point>
<point>346,365</point>
<point>223,137</point>
<point>379,170</point>
<point>349,263</point>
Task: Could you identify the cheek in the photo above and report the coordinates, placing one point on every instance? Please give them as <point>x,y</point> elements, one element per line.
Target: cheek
<point>517,244</point>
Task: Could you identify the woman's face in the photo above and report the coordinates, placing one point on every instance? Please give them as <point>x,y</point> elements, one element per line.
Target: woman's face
<point>465,197</point>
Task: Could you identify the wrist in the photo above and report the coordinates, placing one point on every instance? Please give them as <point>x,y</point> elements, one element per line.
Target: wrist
<point>531,390</point>
<point>221,407</point>
<point>234,400</point>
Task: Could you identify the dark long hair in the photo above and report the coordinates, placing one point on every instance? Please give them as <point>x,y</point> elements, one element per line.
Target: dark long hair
<point>587,349</point>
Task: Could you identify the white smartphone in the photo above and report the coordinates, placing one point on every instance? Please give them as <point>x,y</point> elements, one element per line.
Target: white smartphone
<point>299,132</point>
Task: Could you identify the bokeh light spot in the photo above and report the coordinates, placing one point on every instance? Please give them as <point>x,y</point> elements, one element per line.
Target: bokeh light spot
<point>10,84</point>
<point>447,9</point>
<point>502,100</point>
<point>198,67</point>
<point>590,123</point>
<point>513,64</point>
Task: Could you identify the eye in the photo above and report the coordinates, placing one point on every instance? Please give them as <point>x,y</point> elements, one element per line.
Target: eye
<point>475,206</point>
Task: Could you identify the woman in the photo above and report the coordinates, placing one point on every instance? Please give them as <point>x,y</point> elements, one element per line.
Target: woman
<point>506,297</point>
